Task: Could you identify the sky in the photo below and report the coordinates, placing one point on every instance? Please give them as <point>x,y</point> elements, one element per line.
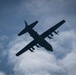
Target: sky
<point>62,61</point>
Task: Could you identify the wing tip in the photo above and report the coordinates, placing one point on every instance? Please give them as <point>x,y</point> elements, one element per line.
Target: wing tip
<point>17,55</point>
<point>63,20</point>
<point>18,34</point>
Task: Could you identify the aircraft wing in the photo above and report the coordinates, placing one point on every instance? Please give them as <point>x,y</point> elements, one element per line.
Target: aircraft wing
<point>52,29</point>
<point>30,45</point>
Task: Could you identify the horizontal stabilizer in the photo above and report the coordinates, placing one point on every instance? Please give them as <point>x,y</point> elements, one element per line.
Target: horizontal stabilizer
<point>33,24</point>
<point>22,32</point>
<point>27,27</point>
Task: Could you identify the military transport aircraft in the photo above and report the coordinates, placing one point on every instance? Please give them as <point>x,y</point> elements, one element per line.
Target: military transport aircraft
<point>39,40</point>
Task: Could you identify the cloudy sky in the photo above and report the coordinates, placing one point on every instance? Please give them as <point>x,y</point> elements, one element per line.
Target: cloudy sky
<point>62,61</point>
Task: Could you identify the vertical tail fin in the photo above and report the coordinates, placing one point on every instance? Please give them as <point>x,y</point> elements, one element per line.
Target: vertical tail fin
<point>25,23</point>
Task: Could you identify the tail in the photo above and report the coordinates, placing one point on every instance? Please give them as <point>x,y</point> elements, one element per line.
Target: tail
<point>27,27</point>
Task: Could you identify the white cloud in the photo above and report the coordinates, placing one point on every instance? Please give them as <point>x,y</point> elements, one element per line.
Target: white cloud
<point>2,39</point>
<point>2,73</point>
<point>39,62</point>
<point>47,12</point>
<point>43,62</point>
<point>42,9</point>
<point>69,63</point>
<point>64,43</point>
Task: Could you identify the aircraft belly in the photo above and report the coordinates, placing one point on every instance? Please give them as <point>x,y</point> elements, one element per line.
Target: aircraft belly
<point>44,44</point>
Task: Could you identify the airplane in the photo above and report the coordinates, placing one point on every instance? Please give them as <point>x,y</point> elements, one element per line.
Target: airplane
<point>38,40</point>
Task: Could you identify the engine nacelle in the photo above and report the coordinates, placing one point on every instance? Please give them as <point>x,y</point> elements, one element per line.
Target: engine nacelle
<point>50,37</point>
<point>51,34</point>
<point>56,32</point>
<point>37,46</point>
<point>31,50</point>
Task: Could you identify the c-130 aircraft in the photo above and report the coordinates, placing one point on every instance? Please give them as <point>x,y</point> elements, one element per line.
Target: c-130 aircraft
<point>39,40</point>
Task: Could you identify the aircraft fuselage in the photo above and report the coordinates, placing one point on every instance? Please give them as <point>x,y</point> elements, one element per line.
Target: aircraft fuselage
<point>41,41</point>
<point>38,39</point>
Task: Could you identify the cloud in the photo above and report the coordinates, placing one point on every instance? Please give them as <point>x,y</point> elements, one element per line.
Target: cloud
<point>64,43</point>
<point>3,38</point>
<point>44,62</point>
<point>48,12</point>
<point>69,63</point>
<point>2,73</point>
<point>37,64</point>
<point>32,63</point>
<point>70,5</point>
<point>48,7</point>
<point>44,8</point>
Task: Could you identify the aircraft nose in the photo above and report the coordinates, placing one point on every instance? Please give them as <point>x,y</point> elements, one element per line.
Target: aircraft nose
<point>50,48</point>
